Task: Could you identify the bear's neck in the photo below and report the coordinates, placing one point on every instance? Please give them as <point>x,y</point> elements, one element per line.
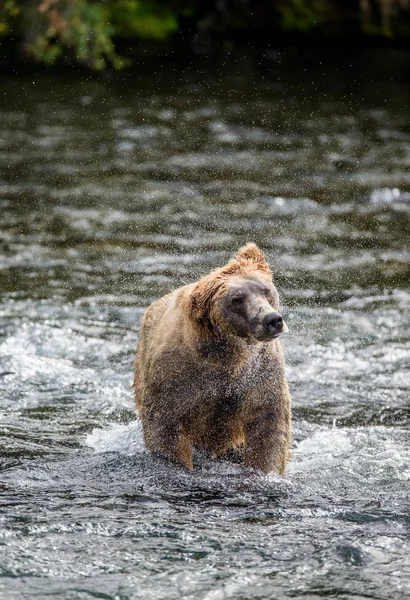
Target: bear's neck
<point>215,345</point>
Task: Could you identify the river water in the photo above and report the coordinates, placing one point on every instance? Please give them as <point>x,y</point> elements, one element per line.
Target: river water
<point>113,192</point>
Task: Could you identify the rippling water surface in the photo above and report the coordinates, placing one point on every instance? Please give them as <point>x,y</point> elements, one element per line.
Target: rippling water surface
<point>114,192</point>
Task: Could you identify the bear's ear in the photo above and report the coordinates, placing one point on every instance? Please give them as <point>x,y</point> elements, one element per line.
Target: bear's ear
<point>254,255</point>
<point>201,295</point>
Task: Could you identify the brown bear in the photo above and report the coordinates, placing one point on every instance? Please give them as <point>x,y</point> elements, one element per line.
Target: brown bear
<point>209,370</point>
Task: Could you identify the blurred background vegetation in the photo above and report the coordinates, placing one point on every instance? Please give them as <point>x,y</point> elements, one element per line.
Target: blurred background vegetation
<point>101,34</point>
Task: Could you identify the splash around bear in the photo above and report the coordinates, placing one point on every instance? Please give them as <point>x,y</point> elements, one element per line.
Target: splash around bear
<point>209,369</point>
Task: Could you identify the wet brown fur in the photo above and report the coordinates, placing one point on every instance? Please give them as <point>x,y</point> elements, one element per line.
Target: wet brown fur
<point>199,384</point>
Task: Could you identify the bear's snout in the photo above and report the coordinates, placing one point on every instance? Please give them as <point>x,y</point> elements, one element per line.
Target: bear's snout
<point>273,324</point>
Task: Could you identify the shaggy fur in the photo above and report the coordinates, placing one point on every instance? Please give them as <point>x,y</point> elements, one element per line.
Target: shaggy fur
<point>209,370</point>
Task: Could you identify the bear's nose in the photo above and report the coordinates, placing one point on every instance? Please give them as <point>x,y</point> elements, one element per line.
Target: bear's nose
<point>273,322</point>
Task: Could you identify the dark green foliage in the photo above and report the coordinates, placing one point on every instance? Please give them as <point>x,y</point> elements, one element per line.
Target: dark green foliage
<point>86,31</point>
<point>83,30</point>
<point>300,15</point>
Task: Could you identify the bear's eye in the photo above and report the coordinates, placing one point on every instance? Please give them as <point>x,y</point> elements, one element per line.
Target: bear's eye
<point>267,293</point>
<point>237,301</point>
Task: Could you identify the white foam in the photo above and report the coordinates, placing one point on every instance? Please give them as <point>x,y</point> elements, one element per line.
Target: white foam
<point>43,340</point>
<point>22,358</point>
<point>125,439</point>
<point>364,453</point>
<point>41,357</point>
<point>333,442</point>
<point>388,196</point>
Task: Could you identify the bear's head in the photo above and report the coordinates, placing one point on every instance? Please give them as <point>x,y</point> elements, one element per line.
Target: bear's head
<point>239,299</point>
